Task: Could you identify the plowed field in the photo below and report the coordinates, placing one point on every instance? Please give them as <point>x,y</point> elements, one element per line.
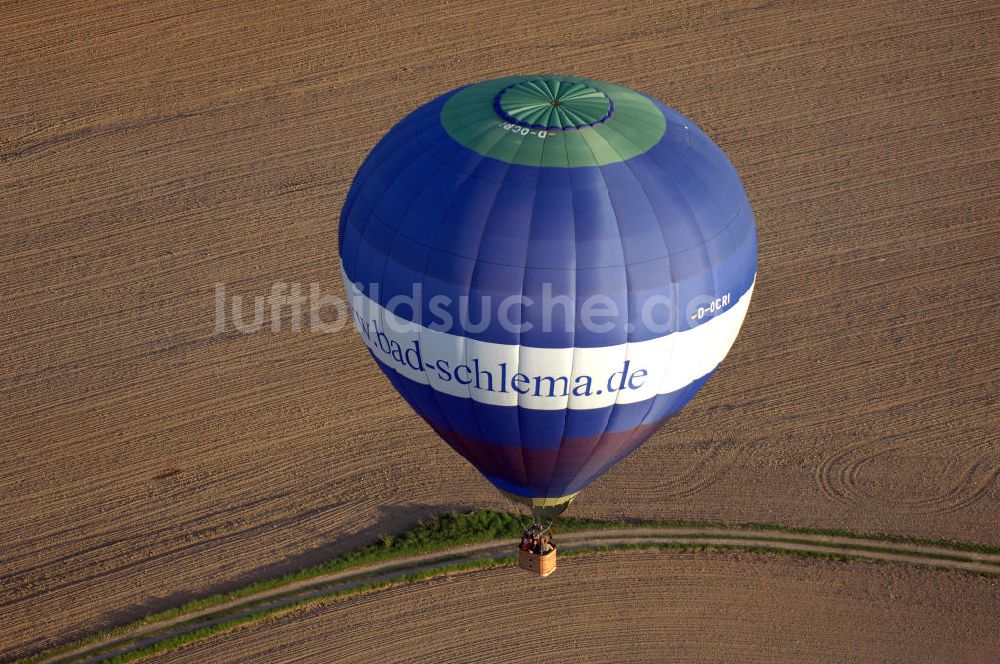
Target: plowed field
<point>644,607</point>
<point>149,152</point>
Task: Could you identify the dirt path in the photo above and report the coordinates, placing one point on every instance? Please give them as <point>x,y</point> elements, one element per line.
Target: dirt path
<point>326,585</point>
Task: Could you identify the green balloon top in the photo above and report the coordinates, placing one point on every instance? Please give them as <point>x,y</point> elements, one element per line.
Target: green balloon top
<point>553,103</point>
<point>558,121</point>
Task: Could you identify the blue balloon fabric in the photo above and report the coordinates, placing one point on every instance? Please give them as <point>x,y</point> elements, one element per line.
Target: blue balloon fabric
<point>545,307</point>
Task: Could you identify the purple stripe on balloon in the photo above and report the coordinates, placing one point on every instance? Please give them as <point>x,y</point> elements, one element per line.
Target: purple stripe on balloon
<point>548,473</point>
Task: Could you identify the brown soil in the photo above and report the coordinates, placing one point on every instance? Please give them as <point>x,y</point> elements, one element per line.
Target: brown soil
<point>275,600</point>
<point>149,152</point>
<point>643,607</point>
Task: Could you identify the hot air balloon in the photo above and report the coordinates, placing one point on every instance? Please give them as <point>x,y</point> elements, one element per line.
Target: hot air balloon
<point>547,268</point>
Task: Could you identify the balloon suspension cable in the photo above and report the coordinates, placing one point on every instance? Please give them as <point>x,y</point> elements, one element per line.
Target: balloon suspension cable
<point>546,528</point>
<point>542,522</point>
<point>518,513</point>
<point>536,531</point>
<point>541,516</point>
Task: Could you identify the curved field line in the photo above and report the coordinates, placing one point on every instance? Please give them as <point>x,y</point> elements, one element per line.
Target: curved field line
<point>838,477</point>
<point>201,623</point>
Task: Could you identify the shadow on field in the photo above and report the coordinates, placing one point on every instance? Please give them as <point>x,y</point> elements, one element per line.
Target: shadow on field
<point>392,520</point>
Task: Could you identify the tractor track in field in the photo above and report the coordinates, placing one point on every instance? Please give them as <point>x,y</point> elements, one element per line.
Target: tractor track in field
<point>273,600</point>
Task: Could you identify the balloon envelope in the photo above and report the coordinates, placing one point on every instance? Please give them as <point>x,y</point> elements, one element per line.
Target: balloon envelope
<point>547,268</point>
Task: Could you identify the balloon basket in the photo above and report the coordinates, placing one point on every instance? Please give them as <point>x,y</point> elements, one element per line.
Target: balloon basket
<point>540,564</point>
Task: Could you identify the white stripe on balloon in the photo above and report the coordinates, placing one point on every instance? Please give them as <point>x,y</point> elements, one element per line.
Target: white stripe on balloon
<point>670,362</point>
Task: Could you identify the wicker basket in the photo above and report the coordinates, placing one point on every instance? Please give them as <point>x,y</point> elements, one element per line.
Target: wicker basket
<point>543,565</point>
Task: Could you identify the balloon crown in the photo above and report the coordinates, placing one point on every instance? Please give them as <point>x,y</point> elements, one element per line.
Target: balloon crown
<point>553,104</point>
